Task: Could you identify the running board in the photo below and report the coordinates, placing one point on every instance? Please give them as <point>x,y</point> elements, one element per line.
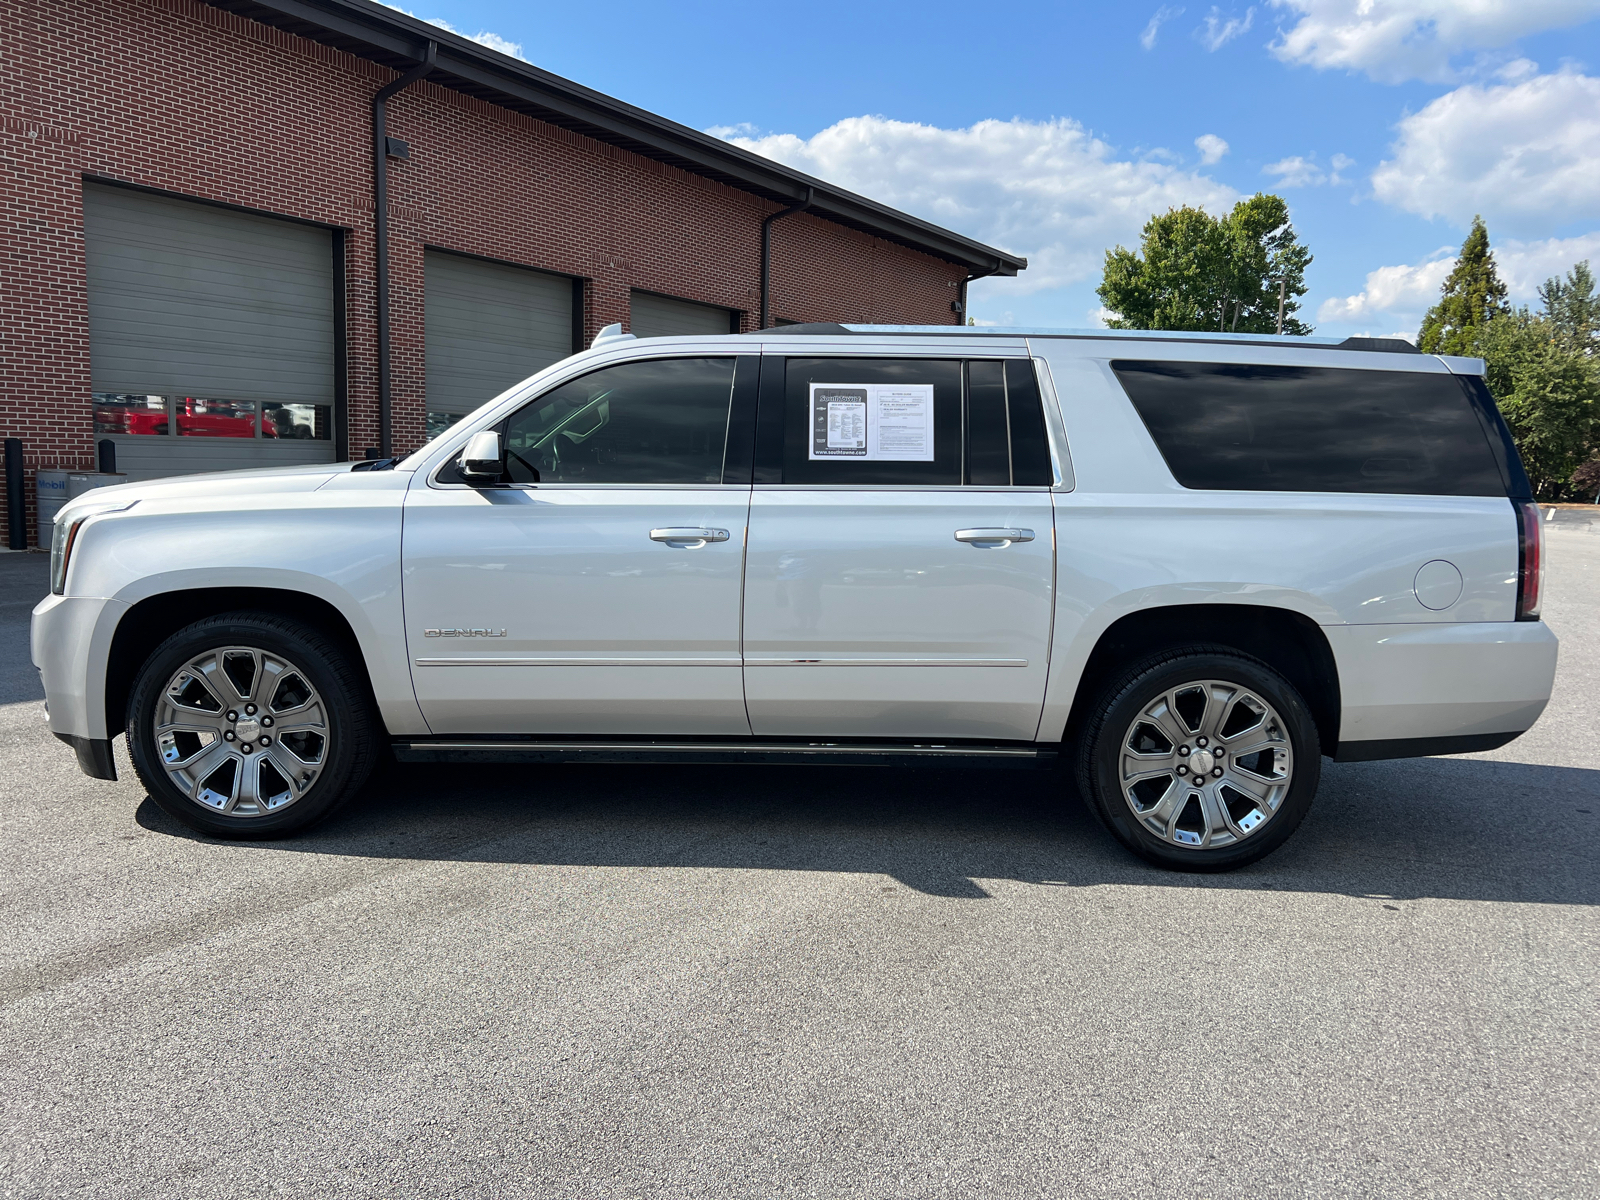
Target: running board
<point>726,750</point>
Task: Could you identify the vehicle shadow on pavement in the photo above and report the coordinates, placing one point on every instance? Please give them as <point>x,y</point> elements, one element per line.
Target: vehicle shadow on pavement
<point>1458,828</point>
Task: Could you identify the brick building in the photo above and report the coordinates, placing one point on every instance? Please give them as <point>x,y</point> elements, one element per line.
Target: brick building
<point>191,232</point>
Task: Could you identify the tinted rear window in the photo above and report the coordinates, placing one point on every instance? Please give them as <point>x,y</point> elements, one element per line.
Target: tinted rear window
<point>1231,426</point>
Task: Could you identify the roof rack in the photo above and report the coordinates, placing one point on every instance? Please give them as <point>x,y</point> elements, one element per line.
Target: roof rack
<point>830,329</point>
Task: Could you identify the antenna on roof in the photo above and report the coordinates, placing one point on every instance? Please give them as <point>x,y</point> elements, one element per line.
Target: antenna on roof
<point>611,333</point>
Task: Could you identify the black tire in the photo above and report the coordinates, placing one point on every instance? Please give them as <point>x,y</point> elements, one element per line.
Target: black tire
<point>348,750</point>
<point>1129,696</point>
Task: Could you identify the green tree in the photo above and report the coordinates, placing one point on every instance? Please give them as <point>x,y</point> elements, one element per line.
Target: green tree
<point>1548,392</point>
<point>1573,309</point>
<point>1472,296</point>
<point>1195,271</point>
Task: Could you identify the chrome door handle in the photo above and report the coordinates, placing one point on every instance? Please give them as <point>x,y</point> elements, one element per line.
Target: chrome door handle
<point>999,536</point>
<point>698,537</point>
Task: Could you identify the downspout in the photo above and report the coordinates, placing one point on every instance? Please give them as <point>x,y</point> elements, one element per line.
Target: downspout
<point>380,230</point>
<point>961,300</point>
<point>766,254</point>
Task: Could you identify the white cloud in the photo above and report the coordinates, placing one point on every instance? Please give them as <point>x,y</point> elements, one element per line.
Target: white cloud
<point>1300,171</point>
<point>1211,148</point>
<point>1392,289</point>
<point>1296,172</point>
<point>1395,40</point>
<point>1165,13</point>
<point>1409,290</point>
<point>483,37</point>
<point>1216,33</point>
<point>1046,189</point>
<point>1525,155</point>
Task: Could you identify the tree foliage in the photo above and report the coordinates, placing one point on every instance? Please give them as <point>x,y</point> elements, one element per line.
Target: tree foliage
<point>1473,296</point>
<point>1194,271</point>
<point>1549,395</point>
<point>1573,309</point>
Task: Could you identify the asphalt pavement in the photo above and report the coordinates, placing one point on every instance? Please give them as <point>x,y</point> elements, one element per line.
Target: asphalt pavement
<point>606,982</point>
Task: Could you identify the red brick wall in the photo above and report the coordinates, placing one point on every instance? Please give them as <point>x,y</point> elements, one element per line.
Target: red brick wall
<point>177,95</point>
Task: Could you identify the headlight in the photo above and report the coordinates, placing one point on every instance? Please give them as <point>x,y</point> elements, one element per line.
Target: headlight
<point>65,533</point>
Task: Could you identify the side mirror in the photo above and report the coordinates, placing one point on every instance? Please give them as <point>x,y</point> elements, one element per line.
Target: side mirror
<point>481,461</point>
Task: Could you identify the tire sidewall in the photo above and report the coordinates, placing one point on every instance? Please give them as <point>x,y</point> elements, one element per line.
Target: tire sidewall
<point>1129,696</point>
<point>348,754</point>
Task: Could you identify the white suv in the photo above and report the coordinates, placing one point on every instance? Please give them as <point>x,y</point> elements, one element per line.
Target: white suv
<point>1191,565</point>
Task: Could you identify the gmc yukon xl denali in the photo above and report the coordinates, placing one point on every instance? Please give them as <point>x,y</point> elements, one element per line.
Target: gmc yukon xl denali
<point>1183,568</point>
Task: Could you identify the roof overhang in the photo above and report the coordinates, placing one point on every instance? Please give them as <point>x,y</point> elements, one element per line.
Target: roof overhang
<point>389,37</point>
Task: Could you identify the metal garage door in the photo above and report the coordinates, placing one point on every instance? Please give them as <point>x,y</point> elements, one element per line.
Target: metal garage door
<point>489,326</point>
<point>211,335</point>
<point>650,315</point>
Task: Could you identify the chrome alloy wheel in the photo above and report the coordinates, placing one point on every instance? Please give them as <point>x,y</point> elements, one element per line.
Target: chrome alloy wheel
<point>1206,764</point>
<point>242,731</point>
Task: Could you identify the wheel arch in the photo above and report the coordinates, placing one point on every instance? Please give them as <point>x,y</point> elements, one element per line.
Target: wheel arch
<point>1289,642</point>
<point>150,621</point>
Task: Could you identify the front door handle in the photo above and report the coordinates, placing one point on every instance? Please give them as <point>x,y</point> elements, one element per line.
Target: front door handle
<point>692,538</point>
<point>994,537</point>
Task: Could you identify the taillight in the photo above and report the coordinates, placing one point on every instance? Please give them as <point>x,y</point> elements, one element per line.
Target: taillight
<point>1530,560</point>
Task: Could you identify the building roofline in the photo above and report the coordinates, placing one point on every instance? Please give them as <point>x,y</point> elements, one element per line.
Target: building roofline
<point>393,39</point>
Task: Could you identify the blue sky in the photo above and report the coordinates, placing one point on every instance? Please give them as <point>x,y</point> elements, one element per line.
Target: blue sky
<point>1055,130</point>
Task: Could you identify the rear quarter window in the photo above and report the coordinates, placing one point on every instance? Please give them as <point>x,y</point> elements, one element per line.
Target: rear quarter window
<point>1247,427</point>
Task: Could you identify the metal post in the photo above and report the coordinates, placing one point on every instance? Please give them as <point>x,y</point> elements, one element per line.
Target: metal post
<point>1283,282</point>
<point>16,507</point>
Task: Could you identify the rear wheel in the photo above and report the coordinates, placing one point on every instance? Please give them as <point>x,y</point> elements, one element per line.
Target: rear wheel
<point>1200,759</point>
<point>250,725</point>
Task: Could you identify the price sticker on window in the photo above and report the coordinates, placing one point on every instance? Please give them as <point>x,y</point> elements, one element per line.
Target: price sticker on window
<point>872,422</point>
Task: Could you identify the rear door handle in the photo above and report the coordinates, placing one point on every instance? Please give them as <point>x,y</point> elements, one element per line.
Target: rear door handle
<point>988,537</point>
<point>693,538</point>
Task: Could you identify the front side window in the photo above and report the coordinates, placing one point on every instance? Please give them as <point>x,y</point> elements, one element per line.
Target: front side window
<point>1253,427</point>
<point>663,421</point>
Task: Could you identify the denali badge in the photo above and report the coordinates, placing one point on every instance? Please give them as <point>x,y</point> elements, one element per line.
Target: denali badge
<point>463,633</point>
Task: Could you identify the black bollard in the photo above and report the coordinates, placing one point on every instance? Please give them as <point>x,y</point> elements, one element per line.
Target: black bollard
<point>16,509</point>
<point>108,457</point>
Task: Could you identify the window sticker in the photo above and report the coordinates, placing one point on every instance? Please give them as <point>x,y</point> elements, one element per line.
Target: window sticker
<point>872,422</point>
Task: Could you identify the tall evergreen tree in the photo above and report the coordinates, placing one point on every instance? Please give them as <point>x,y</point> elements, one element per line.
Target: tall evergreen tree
<point>1472,296</point>
<point>1194,271</point>
<point>1572,308</point>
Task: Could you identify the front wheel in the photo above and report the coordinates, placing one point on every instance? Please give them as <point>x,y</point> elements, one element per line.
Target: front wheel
<point>1200,759</point>
<point>250,725</point>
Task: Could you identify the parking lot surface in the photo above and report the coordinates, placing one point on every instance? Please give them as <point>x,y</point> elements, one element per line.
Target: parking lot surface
<point>738,981</point>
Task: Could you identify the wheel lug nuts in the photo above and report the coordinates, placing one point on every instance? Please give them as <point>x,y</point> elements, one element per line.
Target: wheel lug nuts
<point>228,736</point>
<point>266,741</point>
<point>1184,751</point>
<point>246,747</point>
<point>232,716</point>
<point>1217,772</point>
<point>1183,770</point>
<point>266,720</point>
<point>249,710</point>
<point>1201,743</point>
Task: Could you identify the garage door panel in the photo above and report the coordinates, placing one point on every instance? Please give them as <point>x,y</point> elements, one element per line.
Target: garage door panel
<point>187,298</point>
<point>650,315</point>
<point>490,326</point>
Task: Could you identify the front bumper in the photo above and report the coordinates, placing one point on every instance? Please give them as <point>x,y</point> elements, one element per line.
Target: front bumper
<point>71,643</point>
